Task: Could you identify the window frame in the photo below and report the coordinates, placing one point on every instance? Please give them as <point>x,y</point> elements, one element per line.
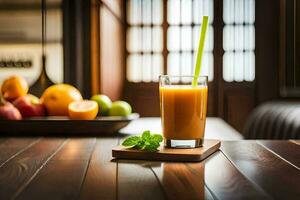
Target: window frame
<point>219,90</point>
<point>165,52</point>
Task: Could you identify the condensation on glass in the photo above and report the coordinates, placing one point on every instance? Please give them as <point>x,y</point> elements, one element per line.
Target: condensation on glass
<point>144,40</point>
<point>184,18</point>
<point>239,40</point>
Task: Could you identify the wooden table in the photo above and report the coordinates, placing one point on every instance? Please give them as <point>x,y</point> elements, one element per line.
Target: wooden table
<point>216,128</point>
<point>59,168</point>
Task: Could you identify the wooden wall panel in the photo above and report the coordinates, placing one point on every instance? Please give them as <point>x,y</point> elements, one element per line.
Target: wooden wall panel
<point>115,6</point>
<point>111,53</point>
<point>95,47</point>
<point>144,97</point>
<point>76,44</point>
<point>237,108</point>
<point>289,50</point>
<point>266,50</point>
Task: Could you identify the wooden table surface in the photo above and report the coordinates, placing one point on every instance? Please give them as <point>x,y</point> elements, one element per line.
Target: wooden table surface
<point>216,128</point>
<point>82,168</point>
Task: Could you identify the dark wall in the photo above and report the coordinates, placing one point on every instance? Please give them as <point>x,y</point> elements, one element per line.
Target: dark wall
<point>289,49</point>
<point>93,46</point>
<point>267,52</point>
<point>76,38</point>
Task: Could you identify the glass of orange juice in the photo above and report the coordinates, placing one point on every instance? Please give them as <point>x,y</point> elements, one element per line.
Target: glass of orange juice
<point>183,110</point>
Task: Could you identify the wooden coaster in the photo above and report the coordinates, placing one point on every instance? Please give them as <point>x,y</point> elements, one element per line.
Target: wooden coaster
<point>169,154</point>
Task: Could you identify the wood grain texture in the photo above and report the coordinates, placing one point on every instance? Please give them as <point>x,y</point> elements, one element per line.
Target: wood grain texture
<point>76,149</point>
<point>275,176</point>
<point>286,150</point>
<point>169,154</point>
<point>19,170</point>
<point>136,180</point>
<point>100,181</point>
<point>11,147</point>
<point>295,141</point>
<point>179,182</point>
<point>226,182</point>
<point>82,168</point>
<point>214,177</point>
<point>3,140</point>
<point>63,175</point>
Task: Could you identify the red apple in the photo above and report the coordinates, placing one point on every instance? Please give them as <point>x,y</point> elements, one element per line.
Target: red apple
<point>30,106</point>
<point>8,111</point>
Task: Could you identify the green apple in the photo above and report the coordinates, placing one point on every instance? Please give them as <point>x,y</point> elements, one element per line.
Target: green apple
<point>103,102</point>
<point>120,108</point>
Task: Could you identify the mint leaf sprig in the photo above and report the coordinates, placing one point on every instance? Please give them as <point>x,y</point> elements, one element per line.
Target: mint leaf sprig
<point>147,141</point>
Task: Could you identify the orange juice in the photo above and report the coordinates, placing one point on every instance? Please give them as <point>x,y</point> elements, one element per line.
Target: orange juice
<point>183,111</point>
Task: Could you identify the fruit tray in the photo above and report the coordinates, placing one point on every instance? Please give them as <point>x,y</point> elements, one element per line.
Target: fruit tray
<point>63,126</point>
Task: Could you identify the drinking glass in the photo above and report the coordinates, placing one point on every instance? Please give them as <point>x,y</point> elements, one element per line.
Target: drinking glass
<point>183,110</point>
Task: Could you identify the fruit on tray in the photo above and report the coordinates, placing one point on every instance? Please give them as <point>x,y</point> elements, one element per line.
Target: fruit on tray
<point>83,110</point>
<point>120,108</point>
<point>8,111</point>
<point>30,106</point>
<point>14,87</point>
<point>104,103</point>
<point>57,98</point>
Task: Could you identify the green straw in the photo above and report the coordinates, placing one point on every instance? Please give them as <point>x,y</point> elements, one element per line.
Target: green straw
<point>200,50</point>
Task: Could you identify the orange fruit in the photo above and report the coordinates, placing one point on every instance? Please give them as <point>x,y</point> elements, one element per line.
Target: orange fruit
<point>14,87</point>
<point>83,110</point>
<point>57,98</point>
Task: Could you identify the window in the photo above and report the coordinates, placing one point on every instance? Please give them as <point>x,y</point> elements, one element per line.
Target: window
<point>184,20</point>
<point>144,40</point>
<point>149,55</point>
<point>239,40</point>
